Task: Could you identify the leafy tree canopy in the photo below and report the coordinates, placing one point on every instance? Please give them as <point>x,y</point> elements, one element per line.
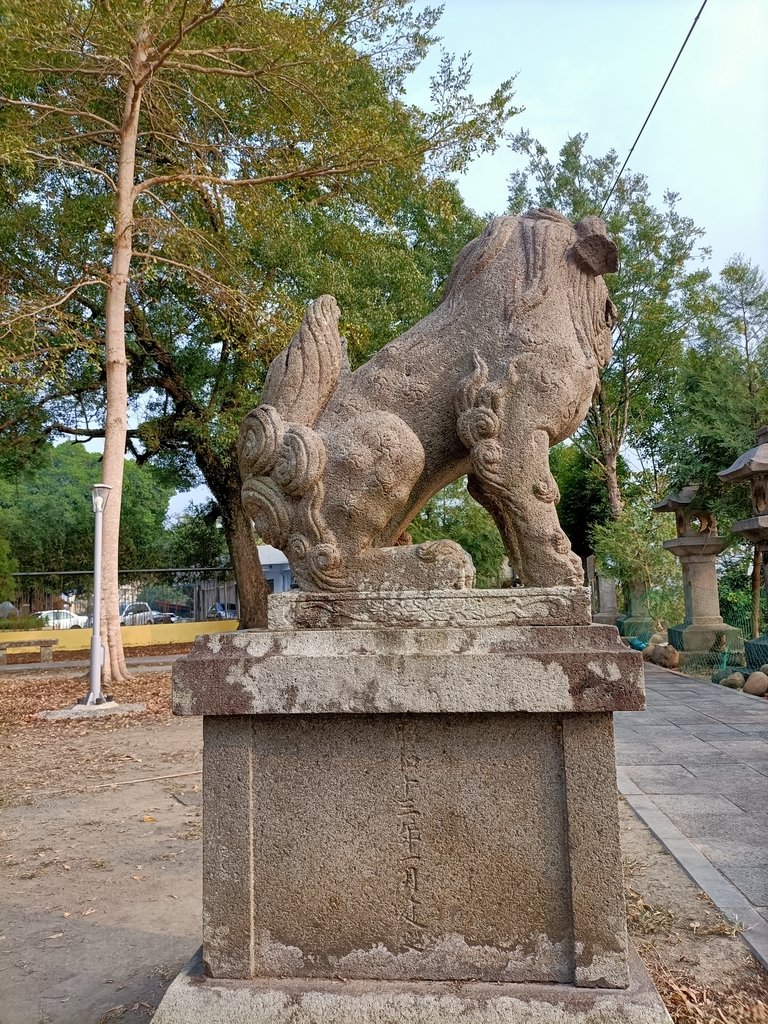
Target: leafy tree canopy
<point>719,396</point>
<point>195,539</point>
<point>583,497</point>
<point>275,158</point>
<point>47,515</point>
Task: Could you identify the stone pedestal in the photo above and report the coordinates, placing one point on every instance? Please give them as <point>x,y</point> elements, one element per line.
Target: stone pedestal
<point>703,635</point>
<point>703,631</point>
<point>605,609</point>
<point>637,622</point>
<point>410,813</point>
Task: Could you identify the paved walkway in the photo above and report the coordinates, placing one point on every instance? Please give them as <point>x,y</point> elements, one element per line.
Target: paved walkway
<point>694,767</point>
<point>146,663</point>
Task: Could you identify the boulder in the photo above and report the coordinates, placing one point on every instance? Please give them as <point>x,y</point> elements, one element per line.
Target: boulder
<point>648,652</point>
<point>757,684</point>
<point>735,681</point>
<point>658,638</point>
<point>665,655</point>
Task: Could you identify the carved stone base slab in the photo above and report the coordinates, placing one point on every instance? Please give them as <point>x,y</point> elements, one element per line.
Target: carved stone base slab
<point>526,606</point>
<point>193,998</point>
<point>433,802</point>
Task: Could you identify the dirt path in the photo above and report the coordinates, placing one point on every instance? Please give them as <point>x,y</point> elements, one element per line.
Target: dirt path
<point>100,902</point>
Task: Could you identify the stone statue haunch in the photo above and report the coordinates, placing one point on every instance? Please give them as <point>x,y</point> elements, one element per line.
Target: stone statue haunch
<point>336,464</point>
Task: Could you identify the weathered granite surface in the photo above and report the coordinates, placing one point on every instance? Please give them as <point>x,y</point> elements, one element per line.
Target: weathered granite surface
<point>336,464</point>
<point>481,846</point>
<point>531,606</point>
<point>394,670</point>
<point>425,802</point>
<point>428,801</point>
<point>193,998</point>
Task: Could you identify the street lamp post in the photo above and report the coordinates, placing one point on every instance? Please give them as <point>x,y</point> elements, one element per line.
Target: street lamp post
<point>99,495</point>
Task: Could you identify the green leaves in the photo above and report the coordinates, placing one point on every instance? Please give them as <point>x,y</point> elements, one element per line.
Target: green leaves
<point>275,160</point>
<point>453,514</point>
<point>47,518</point>
<point>720,392</point>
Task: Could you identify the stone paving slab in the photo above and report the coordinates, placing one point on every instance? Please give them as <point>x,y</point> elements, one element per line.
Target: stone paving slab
<point>694,768</point>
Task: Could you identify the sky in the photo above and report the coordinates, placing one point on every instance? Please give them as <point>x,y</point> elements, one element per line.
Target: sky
<point>595,67</point>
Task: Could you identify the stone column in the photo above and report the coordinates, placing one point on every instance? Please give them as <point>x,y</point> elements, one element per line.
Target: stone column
<point>636,621</point>
<point>697,546</point>
<point>411,814</point>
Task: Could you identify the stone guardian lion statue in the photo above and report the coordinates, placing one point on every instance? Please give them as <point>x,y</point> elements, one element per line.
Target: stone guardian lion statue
<point>336,464</point>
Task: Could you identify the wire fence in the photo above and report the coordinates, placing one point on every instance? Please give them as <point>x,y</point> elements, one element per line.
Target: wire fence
<point>731,648</point>
<point>165,595</point>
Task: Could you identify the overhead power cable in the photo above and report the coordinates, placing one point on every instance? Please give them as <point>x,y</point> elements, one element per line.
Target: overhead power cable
<point>645,122</point>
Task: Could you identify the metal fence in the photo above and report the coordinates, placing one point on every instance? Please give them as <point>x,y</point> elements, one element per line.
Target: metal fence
<point>185,594</point>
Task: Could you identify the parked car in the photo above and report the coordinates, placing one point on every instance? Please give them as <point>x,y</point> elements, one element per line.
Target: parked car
<point>142,614</point>
<point>222,610</point>
<point>61,618</point>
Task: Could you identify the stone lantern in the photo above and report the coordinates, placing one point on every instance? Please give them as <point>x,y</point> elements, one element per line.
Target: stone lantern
<point>753,467</point>
<point>697,545</point>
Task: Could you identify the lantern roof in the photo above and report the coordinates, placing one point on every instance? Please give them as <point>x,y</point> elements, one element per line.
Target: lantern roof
<point>751,463</point>
<point>683,499</point>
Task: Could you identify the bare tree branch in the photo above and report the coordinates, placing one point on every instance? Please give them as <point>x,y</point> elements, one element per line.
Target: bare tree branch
<point>71,111</point>
<point>89,168</point>
<point>29,314</point>
<point>268,179</point>
<point>167,48</point>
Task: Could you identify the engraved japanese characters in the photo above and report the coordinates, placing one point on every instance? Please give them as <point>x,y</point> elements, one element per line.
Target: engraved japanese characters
<point>336,464</point>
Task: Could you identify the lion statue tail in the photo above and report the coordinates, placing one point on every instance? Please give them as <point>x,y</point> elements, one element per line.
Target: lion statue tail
<point>305,374</point>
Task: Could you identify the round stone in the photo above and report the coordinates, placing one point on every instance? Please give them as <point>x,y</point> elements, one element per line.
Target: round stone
<point>757,684</point>
<point>666,656</point>
<point>735,681</point>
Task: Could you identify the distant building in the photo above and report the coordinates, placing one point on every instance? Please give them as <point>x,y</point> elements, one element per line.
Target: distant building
<point>208,593</point>
<point>277,571</point>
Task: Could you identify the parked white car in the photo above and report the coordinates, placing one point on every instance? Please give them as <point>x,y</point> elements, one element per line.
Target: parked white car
<point>141,614</point>
<point>60,618</point>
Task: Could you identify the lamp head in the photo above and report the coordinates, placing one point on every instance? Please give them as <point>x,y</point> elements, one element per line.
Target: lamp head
<point>99,495</point>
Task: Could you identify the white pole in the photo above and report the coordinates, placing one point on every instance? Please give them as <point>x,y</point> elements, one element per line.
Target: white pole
<point>100,493</point>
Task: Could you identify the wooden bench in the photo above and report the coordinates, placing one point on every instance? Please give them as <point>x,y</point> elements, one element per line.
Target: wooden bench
<point>45,646</point>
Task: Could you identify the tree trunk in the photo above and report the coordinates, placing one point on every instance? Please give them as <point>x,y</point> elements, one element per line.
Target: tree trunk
<point>252,588</point>
<point>611,472</point>
<point>115,425</point>
<point>225,484</point>
<point>757,564</point>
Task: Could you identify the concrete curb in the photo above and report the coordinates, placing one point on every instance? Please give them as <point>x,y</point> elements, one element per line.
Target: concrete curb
<point>86,712</point>
<point>726,897</point>
<point>144,664</point>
